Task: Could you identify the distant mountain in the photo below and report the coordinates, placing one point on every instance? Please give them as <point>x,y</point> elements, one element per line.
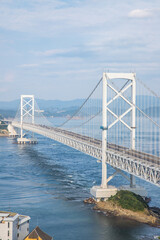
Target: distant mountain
<point>7,113</point>
<point>56,108</point>
<point>12,105</point>
<point>145,99</point>
<point>43,104</point>
<point>153,111</point>
<point>59,108</point>
<point>58,104</point>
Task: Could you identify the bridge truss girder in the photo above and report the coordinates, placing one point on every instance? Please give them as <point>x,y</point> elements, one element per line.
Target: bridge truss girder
<point>142,169</point>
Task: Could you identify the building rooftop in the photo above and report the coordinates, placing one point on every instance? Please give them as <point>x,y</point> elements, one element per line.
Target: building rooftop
<point>11,216</point>
<point>7,214</point>
<point>37,233</point>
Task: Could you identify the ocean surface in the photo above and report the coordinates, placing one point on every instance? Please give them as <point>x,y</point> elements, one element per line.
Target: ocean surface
<point>49,182</point>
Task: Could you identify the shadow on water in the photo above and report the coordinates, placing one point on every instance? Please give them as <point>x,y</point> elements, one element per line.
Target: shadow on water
<point>56,178</point>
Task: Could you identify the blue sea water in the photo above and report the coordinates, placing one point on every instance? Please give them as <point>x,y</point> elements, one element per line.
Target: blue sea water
<point>49,182</point>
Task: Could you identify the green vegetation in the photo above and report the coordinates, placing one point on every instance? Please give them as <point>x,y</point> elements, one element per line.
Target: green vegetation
<point>129,200</point>
<point>3,125</point>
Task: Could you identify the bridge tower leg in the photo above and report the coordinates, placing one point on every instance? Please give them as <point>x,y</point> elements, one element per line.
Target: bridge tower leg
<point>104,133</point>
<point>133,127</point>
<point>133,187</point>
<point>27,112</point>
<point>21,116</point>
<point>104,191</point>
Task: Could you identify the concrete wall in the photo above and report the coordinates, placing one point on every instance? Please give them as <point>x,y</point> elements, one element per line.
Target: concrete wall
<point>15,229</point>
<point>23,230</point>
<point>4,229</point>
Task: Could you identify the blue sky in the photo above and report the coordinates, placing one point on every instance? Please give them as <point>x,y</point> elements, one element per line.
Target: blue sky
<point>59,49</point>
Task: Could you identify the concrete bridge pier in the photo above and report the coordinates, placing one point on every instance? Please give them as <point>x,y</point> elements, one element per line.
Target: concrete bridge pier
<point>103,193</point>
<point>26,140</point>
<point>100,193</point>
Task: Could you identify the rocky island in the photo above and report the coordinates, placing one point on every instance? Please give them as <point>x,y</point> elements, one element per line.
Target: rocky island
<point>129,205</point>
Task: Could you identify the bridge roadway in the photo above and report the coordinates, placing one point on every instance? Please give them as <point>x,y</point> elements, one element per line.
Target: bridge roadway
<point>139,164</point>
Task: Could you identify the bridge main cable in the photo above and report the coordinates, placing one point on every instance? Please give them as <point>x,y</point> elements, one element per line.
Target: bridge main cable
<point>78,110</point>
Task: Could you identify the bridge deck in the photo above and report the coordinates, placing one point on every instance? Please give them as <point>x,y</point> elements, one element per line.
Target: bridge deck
<point>140,156</point>
<point>140,164</point>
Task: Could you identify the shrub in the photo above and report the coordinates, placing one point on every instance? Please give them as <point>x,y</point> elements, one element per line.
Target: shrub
<point>129,200</point>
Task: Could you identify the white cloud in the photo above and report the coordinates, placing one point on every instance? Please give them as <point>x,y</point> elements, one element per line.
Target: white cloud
<point>140,13</point>
<point>50,18</point>
<point>49,62</point>
<point>48,37</point>
<point>9,77</point>
<point>30,65</point>
<point>71,72</point>
<point>52,52</point>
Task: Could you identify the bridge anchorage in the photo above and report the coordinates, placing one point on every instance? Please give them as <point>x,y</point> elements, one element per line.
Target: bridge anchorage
<point>105,191</point>
<point>27,112</point>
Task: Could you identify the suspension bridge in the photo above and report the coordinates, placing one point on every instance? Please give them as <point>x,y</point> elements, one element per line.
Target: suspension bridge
<point>118,124</point>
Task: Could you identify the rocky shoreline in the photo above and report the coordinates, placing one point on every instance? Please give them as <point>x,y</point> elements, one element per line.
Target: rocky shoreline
<point>150,216</point>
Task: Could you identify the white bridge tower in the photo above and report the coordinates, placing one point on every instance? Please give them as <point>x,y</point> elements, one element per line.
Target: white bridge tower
<point>27,116</point>
<point>105,191</point>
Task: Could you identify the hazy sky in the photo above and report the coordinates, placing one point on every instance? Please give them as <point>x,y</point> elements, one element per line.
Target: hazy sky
<point>59,49</point>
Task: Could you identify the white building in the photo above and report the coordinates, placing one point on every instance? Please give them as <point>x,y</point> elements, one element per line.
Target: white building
<point>13,226</point>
